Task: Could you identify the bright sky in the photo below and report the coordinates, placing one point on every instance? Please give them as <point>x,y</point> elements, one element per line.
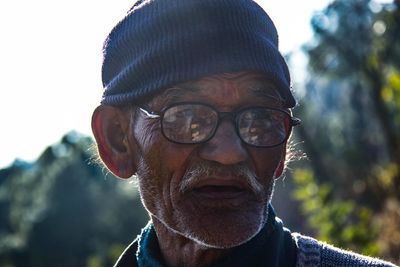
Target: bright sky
<point>50,61</point>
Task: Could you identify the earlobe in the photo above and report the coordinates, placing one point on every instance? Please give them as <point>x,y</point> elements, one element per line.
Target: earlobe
<point>110,126</point>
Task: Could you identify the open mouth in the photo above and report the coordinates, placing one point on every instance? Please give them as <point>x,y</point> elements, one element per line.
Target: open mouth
<point>219,191</point>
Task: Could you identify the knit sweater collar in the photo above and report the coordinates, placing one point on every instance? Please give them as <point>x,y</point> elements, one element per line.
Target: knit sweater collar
<point>272,246</point>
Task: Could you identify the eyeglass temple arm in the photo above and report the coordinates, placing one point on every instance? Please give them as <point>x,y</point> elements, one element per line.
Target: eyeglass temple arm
<point>150,114</point>
<point>295,121</point>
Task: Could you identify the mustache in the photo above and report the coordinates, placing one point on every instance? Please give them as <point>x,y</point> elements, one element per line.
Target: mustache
<point>198,170</point>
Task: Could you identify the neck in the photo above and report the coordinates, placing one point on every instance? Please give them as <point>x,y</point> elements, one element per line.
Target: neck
<point>178,250</point>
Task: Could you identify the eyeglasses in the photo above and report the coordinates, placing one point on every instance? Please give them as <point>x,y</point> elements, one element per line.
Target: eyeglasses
<point>194,123</point>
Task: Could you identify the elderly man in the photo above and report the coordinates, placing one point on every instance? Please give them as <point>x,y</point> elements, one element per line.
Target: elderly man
<point>197,104</point>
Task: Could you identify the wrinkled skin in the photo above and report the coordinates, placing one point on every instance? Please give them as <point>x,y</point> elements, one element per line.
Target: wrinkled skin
<point>203,216</point>
<point>203,199</point>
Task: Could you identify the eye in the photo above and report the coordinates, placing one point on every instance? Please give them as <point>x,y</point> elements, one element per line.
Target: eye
<point>262,126</point>
<point>189,123</point>
<point>277,116</point>
<point>178,113</point>
<point>256,114</point>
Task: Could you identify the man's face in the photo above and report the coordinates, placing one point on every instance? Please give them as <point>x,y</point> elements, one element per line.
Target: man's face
<point>214,193</point>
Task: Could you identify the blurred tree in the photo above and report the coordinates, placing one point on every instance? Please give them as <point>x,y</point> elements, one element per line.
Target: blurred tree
<point>351,130</point>
<point>61,211</point>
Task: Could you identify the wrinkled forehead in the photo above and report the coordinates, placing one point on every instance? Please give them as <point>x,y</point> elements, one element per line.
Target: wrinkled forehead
<point>250,83</point>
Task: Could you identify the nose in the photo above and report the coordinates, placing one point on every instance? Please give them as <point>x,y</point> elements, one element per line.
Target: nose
<point>225,147</point>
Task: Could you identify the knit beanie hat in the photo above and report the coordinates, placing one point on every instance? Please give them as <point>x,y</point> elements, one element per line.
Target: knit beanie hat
<point>161,43</point>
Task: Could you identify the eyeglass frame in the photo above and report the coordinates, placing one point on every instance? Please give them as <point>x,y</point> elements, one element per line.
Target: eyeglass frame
<point>293,121</point>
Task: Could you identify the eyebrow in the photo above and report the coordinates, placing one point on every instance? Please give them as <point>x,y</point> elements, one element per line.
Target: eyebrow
<point>178,92</point>
<point>261,89</point>
<point>268,91</point>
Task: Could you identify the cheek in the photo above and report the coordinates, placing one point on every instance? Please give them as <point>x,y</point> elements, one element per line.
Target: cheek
<point>159,188</point>
<point>175,159</point>
<point>266,160</point>
<point>152,143</point>
<point>160,170</point>
<point>146,134</point>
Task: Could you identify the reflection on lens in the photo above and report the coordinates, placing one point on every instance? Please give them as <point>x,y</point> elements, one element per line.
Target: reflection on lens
<point>195,123</point>
<point>262,126</point>
<point>189,123</point>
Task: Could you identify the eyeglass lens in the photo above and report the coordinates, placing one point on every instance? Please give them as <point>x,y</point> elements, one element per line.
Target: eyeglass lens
<point>196,123</point>
<point>262,126</point>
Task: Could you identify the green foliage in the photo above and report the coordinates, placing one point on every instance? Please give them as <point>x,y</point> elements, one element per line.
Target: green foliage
<point>351,127</point>
<point>342,223</point>
<point>62,211</point>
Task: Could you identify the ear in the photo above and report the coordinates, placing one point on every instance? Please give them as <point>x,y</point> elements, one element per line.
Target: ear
<point>110,126</point>
<point>281,165</point>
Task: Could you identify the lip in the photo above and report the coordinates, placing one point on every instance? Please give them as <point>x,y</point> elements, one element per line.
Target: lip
<point>220,188</point>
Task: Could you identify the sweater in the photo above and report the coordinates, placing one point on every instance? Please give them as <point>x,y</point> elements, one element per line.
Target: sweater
<point>310,253</point>
<point>313,253</point>
<point>144,251</point>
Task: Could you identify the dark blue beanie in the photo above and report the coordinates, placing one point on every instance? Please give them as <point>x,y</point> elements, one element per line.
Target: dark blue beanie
<point>161,43</point>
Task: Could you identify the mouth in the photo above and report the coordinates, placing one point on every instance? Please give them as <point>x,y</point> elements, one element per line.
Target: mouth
<point>214,188</point>
<point>219,192</point>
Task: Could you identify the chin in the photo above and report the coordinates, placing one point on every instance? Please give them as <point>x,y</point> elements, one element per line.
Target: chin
<point>223,229</point>
<point>224,239</point>
<point>220,225</point>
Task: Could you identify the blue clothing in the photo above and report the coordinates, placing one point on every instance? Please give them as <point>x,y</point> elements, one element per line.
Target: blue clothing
<point>281,248</point>
<point>313,253</point>
<point>273,246</point>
